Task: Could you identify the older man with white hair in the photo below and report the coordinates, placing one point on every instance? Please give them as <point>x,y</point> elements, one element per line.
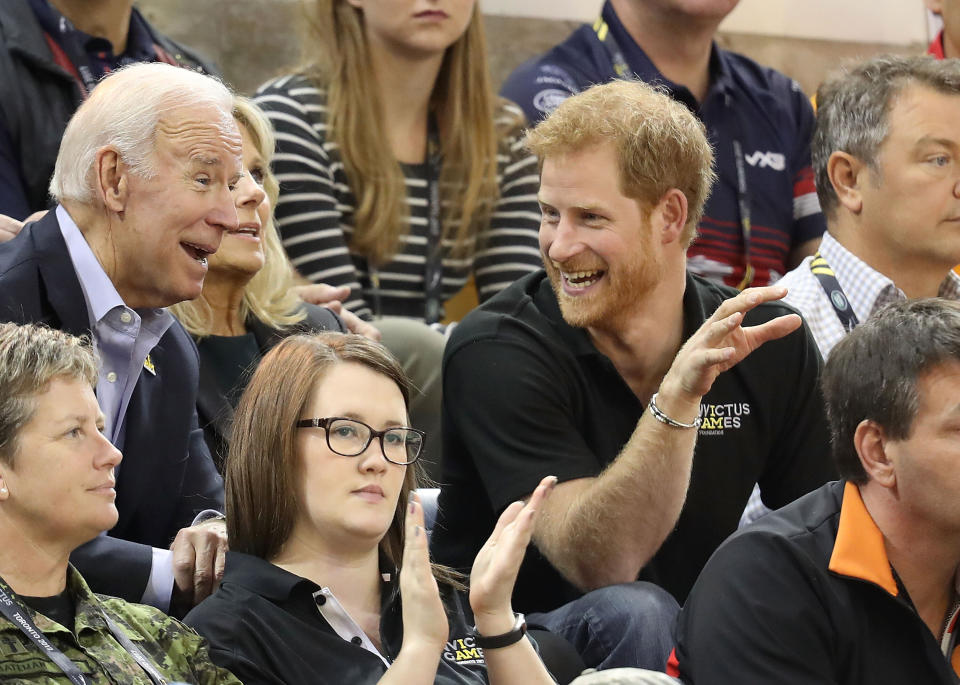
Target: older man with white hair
<point>144,179</point>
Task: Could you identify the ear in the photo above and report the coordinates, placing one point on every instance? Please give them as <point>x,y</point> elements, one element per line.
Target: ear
<point>873,446</point>
<point>669,216</point>
<point>112,179</point>
<point>4,492</point>
<point>847,175</point>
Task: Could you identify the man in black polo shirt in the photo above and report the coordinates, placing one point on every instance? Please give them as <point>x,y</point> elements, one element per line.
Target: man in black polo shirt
<point>557,375</point>
<point>856,583</point>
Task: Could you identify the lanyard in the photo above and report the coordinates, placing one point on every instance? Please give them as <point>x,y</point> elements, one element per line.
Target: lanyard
<point>623,71</point>
<point>13,609</point>
<point>831,286</point>
<point>433,268</point>
<point>76,62</point>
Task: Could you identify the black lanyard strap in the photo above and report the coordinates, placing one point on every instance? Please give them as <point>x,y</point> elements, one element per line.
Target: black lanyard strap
<point>433,268</point>
<point>831,286</point>
<point>12,608</point>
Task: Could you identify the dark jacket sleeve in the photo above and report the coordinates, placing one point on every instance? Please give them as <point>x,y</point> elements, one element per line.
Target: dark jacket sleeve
<point>113,566</point>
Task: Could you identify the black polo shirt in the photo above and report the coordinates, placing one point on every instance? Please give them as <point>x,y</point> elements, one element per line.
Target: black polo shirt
<point>525,395</point>
<point>807,595</point>
<point>264,625</point>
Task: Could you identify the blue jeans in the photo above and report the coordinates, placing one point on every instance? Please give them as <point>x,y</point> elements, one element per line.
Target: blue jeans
<point>617,626</point>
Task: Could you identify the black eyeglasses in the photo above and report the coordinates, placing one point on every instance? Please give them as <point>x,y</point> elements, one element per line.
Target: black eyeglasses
<point>348,437</point>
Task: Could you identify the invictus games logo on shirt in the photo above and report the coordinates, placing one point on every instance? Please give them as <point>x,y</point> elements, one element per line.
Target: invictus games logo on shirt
<point>716,418</point>
<point>463,651</point>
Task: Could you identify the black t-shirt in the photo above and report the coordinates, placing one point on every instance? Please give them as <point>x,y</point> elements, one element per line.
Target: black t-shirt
<point>264,626</point>
<point>526,395</point>
<point>232,361</point>
<point>59,608</point>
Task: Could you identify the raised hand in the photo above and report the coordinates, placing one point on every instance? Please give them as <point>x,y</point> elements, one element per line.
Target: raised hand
<point>495,568</point>
<point>721,342</point>
<point>424,620</point>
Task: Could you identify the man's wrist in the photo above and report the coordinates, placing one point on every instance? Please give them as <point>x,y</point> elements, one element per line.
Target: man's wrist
<point>681,407</point>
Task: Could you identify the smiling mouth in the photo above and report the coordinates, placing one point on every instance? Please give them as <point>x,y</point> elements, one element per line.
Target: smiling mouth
<point>198,253</point>
<point>248,230</point>
<point>581,280</point>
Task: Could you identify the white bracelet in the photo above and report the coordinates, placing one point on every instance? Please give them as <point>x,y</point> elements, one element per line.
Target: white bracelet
<point>663,418</point>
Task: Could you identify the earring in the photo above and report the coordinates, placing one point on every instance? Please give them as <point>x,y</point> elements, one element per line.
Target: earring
<point>3,491</point>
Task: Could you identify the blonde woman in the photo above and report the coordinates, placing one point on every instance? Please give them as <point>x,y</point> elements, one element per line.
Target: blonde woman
<point>247,304</point>
<point>401,173</point>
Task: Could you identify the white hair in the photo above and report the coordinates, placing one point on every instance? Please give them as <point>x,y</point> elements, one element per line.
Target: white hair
<point>123,112</point>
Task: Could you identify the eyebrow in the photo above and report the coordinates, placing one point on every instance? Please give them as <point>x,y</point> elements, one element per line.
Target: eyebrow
<point>206,160</point>
<point>357,417</point>
<point>931,140</point>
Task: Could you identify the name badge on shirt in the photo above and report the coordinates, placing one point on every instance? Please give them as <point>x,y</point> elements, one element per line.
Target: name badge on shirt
<point>148,365</point>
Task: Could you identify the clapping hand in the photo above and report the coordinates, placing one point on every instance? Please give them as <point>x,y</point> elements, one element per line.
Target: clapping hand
<point>498,562</point>
<point>424,620</point>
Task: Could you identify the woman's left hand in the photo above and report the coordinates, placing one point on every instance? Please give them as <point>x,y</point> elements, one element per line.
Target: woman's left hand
<point>495,568</point>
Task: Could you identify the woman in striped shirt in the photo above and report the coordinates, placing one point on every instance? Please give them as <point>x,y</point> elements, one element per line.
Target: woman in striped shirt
<point>400,171</point>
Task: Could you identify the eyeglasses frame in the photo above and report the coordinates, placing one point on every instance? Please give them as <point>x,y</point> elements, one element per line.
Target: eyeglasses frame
<point>324,423</point>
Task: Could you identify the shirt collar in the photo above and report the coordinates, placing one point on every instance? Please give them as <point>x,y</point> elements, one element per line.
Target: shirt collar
<point>261,577</point>
<point>866,288</point>
<point>98,290</point>
<point>647,71</point>
<point>140,42</point>
<point>858,551</point>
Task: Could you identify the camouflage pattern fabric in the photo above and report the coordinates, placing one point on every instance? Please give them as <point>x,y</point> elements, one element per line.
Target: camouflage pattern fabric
<point>176,650</point>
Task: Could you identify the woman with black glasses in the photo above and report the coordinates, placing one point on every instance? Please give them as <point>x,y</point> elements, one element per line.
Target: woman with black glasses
<point>328,579</point>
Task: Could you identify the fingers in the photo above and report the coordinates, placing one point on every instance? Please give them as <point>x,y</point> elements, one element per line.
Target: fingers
<point>415,538</point>
<point>747,300</point>
<point>203,569</point>
<point>357,325</point>
<point>773,329</point>
<point>520,515</point>
<point>321,293</point>
<point>9,228</point>
<point>335,306</point>
<point>184,561</point>
<point>199,560</point>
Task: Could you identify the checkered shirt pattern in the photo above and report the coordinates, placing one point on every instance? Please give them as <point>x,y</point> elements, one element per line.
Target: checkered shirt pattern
<point>866,289</point>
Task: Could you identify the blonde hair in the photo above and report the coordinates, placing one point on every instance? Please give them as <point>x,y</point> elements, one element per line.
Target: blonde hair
<point>268,296</point>
<point>660,144</point>
<point>31,356</point>
<point>463,103</point>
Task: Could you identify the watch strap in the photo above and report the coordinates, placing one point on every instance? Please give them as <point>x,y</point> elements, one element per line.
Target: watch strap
<point>512,636</point>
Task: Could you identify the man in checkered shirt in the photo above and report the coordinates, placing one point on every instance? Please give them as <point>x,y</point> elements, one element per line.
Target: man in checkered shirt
<point>886,158</point>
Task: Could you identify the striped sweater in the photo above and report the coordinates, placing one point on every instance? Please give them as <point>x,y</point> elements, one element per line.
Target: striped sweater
<point>316,206</point>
